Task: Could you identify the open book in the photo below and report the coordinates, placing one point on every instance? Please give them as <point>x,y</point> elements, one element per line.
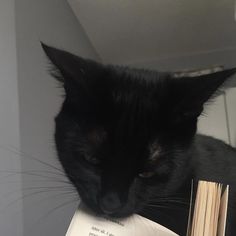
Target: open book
<point>208,218</point>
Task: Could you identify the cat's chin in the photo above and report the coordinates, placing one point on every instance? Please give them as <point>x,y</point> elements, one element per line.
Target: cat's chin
<point>119,215</point>
<point>122,213</point>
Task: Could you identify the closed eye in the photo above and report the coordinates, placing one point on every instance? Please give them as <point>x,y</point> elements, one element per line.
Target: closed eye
<point>147,174</point>
<point>91,159</point>
<point>94,139</point>
<point>87,153</point>
<point>96,136</point>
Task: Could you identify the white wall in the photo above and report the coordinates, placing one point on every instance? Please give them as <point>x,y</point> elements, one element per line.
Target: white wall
<point>213,121</point>
<point>52,22</point>
<point>10,185</point>
<point>231,107</point>
<point>133,31</point>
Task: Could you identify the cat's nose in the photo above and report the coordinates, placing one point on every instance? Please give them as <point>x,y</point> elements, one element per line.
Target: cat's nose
<point>110,203</point>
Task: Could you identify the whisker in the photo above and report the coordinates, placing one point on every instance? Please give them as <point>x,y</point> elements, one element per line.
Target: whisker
<point>52,211</point>
<point>49,188</point>
<point>31,174</point>
<point>36,181</point>
<point>58,195</point>
<point>170,207</point>
<point>157,206</point>
<point>25,196</point>
<point>149,211</point>
<point>43,200</point>
<point>49,172</point>
<point>169,201</point>
<point>28,156</point>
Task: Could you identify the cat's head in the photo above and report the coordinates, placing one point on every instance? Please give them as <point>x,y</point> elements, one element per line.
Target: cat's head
<point>121,132</point>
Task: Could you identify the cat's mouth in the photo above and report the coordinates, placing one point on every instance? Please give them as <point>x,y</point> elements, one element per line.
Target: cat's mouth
<point>122,212</point>
<point>119,214</point>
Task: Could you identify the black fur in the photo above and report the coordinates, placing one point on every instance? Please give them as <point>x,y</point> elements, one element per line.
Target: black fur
<point>126,139</point>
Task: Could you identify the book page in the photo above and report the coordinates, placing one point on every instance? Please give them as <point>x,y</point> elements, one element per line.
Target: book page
<point>210,211</point>
<point>207,209</point>
<point>223,213</point>
<point>84,223</point>
<point>190,211</point>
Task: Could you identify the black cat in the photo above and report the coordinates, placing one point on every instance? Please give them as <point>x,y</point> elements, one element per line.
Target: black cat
<point>126,139</point>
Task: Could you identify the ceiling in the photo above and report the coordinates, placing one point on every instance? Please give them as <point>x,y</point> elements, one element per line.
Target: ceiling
<point>128,31</point>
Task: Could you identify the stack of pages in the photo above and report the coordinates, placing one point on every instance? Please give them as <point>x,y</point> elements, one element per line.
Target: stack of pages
<point>207,218</point>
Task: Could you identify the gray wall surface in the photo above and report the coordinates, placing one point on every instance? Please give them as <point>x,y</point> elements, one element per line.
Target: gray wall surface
<point>48,201</point>
<point>133,31</point>
<point>10,165</point>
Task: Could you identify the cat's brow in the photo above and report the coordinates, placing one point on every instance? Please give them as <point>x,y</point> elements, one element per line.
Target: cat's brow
<point>155,150</point>
<point>96,136</point>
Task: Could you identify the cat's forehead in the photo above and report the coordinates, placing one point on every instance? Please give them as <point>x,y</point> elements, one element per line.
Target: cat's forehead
<point>137,85</point>
<point>137,74</point>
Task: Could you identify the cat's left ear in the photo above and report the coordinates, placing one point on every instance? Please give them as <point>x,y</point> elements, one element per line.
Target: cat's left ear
<point>193,92</point>
<point>72,68</point>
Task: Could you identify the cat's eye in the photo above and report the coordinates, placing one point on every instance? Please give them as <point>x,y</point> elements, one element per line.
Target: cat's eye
<point>147,174</point>
<point>91,159</point>
<point>96,136</point>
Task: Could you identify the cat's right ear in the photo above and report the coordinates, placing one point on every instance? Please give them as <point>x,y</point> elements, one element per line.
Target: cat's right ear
<point>71,67</point>
<point>81,78</point>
